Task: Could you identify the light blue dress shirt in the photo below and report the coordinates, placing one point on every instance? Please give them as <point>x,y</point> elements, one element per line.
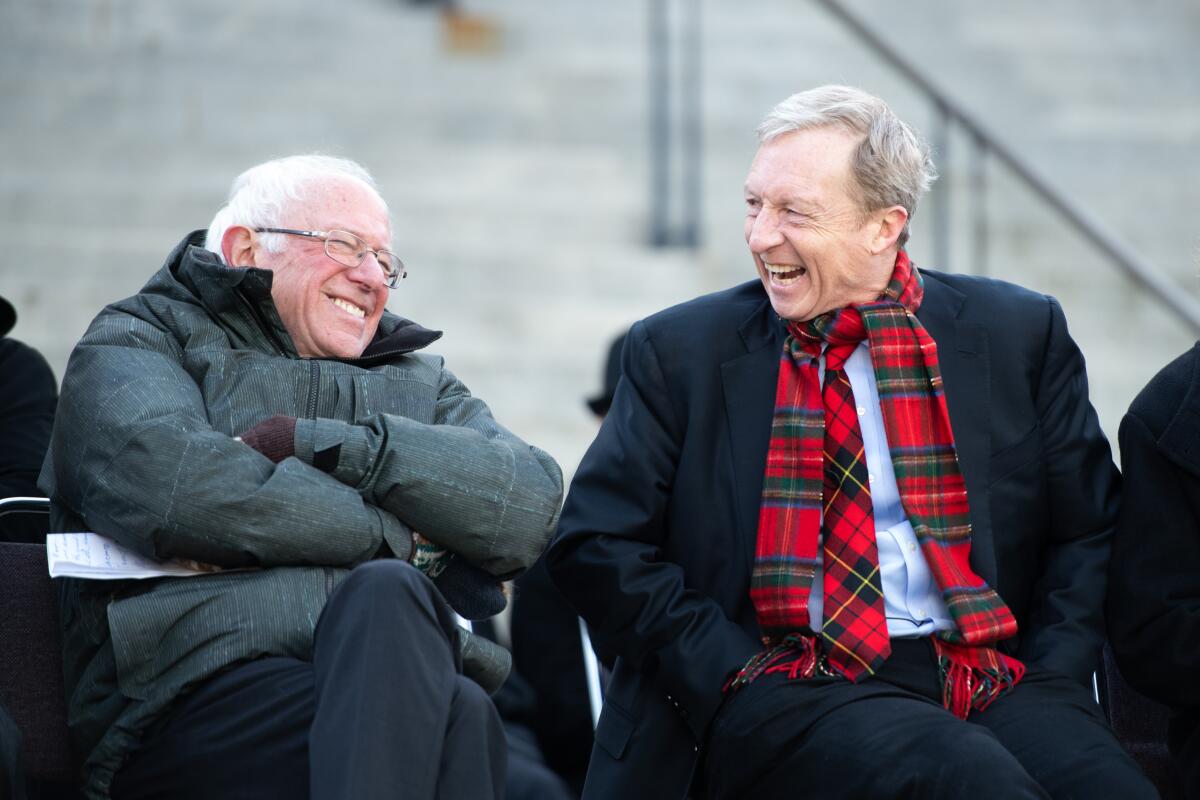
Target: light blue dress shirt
<point>911,598</point>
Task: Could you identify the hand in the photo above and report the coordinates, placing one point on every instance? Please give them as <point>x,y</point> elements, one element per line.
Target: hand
<point>275,437</point>
<point>469,590</point>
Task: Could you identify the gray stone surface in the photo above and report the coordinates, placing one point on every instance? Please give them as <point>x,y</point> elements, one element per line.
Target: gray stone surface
<point>518,178</point>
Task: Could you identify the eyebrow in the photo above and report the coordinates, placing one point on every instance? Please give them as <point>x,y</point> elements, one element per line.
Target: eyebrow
<point>387,246</point>
<point>788,200</point>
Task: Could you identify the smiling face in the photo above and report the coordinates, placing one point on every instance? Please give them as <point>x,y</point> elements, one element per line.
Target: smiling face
<point>330,310</point>
<point>813,247</point>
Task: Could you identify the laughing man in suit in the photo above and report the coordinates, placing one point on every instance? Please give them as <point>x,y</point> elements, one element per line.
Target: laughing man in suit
<point>847,525</point>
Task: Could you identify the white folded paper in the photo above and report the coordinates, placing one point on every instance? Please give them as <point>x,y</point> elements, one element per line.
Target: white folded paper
<point>90,555</point>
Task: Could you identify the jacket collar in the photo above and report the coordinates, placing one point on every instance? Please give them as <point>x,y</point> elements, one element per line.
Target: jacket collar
<point>240,298</point>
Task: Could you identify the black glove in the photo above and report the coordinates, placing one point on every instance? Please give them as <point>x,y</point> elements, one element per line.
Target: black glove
<point>469,590</point>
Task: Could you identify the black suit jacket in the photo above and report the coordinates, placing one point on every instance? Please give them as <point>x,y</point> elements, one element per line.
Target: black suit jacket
<point>657,538</point>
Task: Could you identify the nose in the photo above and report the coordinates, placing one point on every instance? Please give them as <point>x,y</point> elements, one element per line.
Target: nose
<point>369,272</point>
<point>762,231</point>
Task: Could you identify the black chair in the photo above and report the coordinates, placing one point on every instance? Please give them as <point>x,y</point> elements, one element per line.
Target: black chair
<point>24,519</point>
<point>31,666</point>
<point>1140,725</point>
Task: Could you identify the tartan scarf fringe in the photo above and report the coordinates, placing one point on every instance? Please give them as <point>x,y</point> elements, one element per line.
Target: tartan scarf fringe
<point>971,677</point>
<point>803,647</point>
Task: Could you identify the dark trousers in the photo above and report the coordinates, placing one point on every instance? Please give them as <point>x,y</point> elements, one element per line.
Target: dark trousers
<point>380,712</point>
<point>889,737</point>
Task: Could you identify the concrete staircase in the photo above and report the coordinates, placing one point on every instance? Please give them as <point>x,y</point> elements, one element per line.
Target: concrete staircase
<point>518,176</point>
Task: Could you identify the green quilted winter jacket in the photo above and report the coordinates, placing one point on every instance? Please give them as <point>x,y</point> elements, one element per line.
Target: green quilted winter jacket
<point>143,453</point>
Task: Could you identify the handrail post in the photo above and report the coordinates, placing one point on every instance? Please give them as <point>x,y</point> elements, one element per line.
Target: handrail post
<point>658,95</point>
<point>979,195</point>
<point>692,127</point>
<point>941,195</point>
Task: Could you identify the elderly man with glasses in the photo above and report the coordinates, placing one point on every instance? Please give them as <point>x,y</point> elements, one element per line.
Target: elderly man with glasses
<point>255,407</point>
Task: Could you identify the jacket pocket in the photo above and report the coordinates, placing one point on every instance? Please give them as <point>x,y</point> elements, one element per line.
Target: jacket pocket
<point>614,730</point>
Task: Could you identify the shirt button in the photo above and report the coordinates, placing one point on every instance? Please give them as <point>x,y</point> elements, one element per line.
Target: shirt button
<point>912,547</point>
<point>861,411</point>
<point>871,477</point>
<point>921,613</point>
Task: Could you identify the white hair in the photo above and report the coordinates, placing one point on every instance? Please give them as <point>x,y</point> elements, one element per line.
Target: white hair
<point>892,165</point>
<point>261,195</point>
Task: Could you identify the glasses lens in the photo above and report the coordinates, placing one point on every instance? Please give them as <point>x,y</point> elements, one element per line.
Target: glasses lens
<point>392,266</point>
<point>345,248</point>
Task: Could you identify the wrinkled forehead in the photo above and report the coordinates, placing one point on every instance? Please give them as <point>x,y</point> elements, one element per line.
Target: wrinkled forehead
<point>342,203</point>
<point>803,164</point>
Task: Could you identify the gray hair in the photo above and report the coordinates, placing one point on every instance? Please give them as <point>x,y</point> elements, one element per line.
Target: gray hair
<point>261,195</point>
<point>892,165</point>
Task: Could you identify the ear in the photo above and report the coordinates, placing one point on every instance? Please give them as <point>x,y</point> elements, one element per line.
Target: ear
<point>237,246</point>
<point>888,229</point>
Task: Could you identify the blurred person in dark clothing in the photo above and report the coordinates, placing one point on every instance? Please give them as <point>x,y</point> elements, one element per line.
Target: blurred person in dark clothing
<point>28,396</point>
<point>1154,577</point>
<point>547,649</point>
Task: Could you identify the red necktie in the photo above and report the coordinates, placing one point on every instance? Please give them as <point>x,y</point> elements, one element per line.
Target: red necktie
<point>855,627</point>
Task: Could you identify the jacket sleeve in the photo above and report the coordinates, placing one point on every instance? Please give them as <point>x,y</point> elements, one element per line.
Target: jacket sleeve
<point>1065,625</point>
<point>608,557</point>
<point>134,455</point>
<point>464,482</point>
<point>1154,602</point>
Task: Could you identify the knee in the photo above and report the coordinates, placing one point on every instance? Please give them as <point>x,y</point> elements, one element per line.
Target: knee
<point>388,576</point>
<point>390,583</point>
<point>977,765</point>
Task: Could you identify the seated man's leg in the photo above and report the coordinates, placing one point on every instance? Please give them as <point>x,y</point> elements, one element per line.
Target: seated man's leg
<point>241,734</point>
<point>391,707</point>
<point>474,758</point>
<point>1056,730</point>
<point>885,737</point>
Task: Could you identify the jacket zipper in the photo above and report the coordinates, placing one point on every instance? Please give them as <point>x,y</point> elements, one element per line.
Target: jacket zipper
<point>314,387</point>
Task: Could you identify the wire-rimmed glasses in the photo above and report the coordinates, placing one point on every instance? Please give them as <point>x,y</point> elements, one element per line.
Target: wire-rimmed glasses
<point>349,250</point>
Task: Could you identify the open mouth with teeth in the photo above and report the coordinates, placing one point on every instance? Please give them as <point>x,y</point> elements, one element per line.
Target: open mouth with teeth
<point>784,274</point>
<point>345,305</point>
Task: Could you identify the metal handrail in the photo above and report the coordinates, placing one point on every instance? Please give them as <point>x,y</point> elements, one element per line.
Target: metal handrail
<point>1137,268</point>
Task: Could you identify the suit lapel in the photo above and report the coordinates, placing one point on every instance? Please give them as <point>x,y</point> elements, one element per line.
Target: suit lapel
<point>966,374</point>
<point>749,383</point>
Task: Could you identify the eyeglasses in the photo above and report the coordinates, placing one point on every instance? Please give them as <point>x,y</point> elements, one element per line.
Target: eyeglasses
<point>349,250</point>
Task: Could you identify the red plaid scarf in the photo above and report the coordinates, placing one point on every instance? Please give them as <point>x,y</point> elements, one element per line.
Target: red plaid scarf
<point>932,492</point>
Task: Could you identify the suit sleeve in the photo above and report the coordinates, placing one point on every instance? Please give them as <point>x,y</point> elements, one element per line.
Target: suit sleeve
<point>1065,626</point>
<point>608,557</point>
<point>1154,601</point>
